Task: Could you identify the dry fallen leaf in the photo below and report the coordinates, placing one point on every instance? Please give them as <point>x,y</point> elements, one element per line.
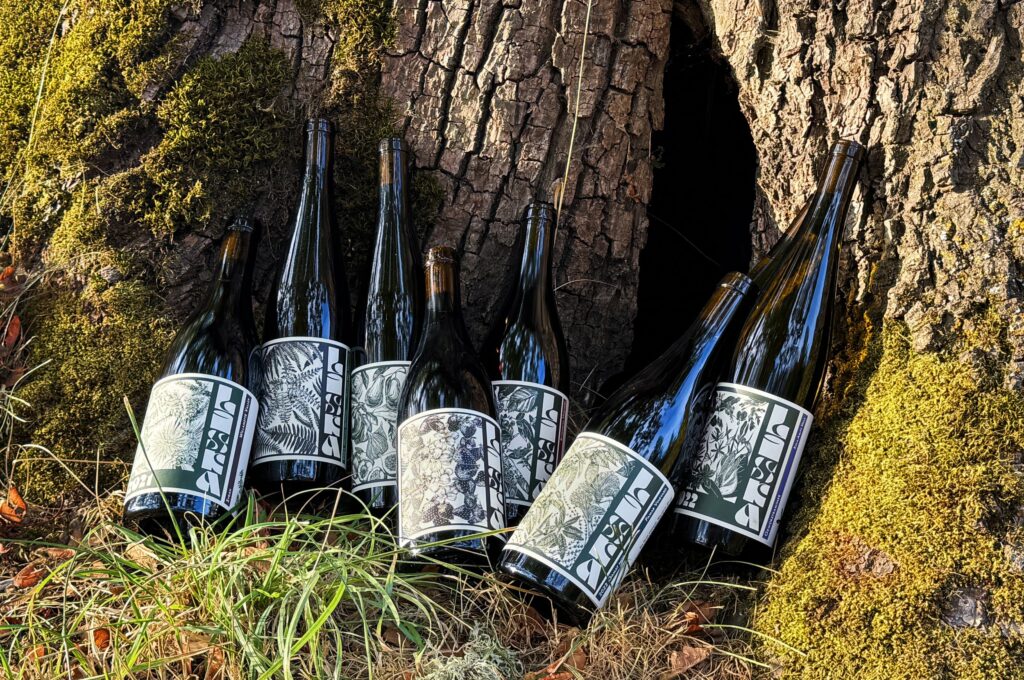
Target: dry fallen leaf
<point>35,652</point>
<point>682,660</point>
<point>29,575</point>
<point>13,332</point>
<point>101,638</point>
<point>13,508</point>
<point>58,554</point>
<point>215,668</point>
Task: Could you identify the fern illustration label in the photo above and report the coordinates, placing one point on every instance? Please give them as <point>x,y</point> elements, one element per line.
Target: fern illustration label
<point>533,419</point>
<point>743,471</point>
<point>449,473</point>
<point>594,515</point>
<point>195,439</point>
<point>303,401</point>
<point>376,389</point>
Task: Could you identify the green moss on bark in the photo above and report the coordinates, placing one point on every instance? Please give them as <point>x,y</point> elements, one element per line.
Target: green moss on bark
<point>903,568</point>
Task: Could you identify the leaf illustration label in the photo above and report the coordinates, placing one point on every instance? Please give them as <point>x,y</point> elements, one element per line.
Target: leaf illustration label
<point>376,389</point>
<point>449,473</point>
<point>303,401</point>
<point>744,469</point>
<point>594,515</point>
<point>195,439</point>
<point>533,420</point>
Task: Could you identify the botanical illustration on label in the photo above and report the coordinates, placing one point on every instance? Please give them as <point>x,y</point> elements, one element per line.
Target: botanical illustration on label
<point>743,471</point>
<point>449,473</point>
<point>594,515</point>
<point>302,401</point>
<point>376,389</point>
<point>533,420</point>
<point>195,439</point>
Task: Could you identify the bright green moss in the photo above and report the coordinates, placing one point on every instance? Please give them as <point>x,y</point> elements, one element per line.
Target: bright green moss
<point>25,30</point>
<point>916,482</point>
<point>102,346</point>
<point>222,128</point>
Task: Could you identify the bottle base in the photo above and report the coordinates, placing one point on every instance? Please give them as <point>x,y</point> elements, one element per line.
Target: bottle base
<point>571,602</point>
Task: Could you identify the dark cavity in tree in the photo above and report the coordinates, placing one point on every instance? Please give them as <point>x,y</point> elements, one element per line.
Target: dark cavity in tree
<point>703,195</point>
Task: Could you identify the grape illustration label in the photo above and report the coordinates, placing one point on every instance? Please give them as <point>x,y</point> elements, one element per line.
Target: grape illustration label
<point>195,439</point>
<point>533,420</point>
<point>376,389</point>
<point>449,473</point>
<point>594,515</point>
<point>303,402</point>
<point>743,471</point>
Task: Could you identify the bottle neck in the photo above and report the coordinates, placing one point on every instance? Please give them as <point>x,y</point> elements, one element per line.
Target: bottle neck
<point>535,264</point>
<point>233,279</point>
<point>318,159</point>
<point>833,193</point>
<point>394,204</point>
<point>442,292</point>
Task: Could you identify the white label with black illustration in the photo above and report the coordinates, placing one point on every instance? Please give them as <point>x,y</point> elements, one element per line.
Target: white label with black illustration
<point>449,474</point>
<point>376,389</point>
<point>594,515</point>
<point>533,419</point>
<point>303,401</point>
<point>195,439</point>
<point>743,471</point>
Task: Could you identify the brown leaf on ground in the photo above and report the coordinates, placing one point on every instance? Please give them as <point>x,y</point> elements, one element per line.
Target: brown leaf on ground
<point>58,554</point>
<point>141,555</point>
<point>215,666</point>
<point>13,508</point>
<point>30,575</point>
<point>14,376</point>
<point>13,332</point>
<point>697,614</point>
<point>34,652</point>
<point>101,638</point>
<point>682,660</point>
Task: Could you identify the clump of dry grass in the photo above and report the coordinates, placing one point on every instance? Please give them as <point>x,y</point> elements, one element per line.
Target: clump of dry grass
<point>321,598</point>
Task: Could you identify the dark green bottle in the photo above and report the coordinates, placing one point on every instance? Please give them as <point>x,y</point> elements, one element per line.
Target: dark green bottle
<point>597,511</point>
<point>198,429</point>
<point>764,269</point>
<point>744,470</point>
<point>302,435</point>
<point>394,311</point>
<point>528,363</point>
<point>449,444</point>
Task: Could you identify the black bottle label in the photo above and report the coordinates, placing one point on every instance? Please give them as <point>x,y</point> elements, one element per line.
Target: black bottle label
<point>449,474</point>
<point>533,419</point>
<point>744,469</point>
<point>376,389</point>
<point>303,401</point>
<point>595,515</point>
<point>196,439</point>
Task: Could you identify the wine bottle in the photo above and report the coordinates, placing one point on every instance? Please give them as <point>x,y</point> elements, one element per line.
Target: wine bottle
<point>764,269</point>
<point>528,362</point>
<point>198,428</point>
<point>595,514</point>
<point>394,311</point>
<point>302,438</point>
<point>449,444</point>
<point>741,478</point>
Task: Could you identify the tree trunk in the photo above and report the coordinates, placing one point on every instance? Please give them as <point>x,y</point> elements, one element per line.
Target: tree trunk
<point>486,93</point>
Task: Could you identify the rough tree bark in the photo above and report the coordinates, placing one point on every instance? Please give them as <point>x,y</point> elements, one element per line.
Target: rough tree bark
<point>487,95</point>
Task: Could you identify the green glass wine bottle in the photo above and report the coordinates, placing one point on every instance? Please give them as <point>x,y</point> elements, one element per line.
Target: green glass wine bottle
<point>302,441</point>
<point>741,478</point>
<point>198,428</point>
<point>764,269</point>
<point>449,443</point>
<point>394,312</point>
<point>597,511</point>
<point>528,362</point>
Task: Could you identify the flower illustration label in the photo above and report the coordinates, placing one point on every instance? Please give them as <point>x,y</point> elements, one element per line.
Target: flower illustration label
<point>376,389</point>
<point>533,420</point>
<point>594,515</point>
<point>303,401</point>
<point>743,471</point>
<point>195,439</point>
<point>449,473</point>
